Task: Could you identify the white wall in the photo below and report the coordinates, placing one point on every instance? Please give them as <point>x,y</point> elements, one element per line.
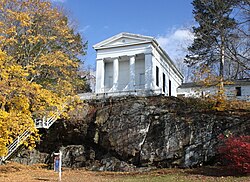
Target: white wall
<point>166,68</point>
<point>108,76</point>
<point>123,77</point>
<point>230,92</point>
<point>245,92</point>
<point>139,73</point>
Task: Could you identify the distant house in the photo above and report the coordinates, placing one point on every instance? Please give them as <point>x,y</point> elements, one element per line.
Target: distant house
<point>238,89</point>
<point>134,64</point>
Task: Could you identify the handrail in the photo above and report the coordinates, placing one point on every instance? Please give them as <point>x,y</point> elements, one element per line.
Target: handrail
<point>39,123</point>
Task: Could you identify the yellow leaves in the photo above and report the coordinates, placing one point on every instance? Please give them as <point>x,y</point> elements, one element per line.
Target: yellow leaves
<point>44,4</point>
<point>24,18</point>
<point>52,38</point>
<point>38,67</point>
<point>20,103</point>
<point>2,38</point>
<point>3,55</point>
<point>11,30</point>
<point>71,41</point>
<point>57,59</point>
<point>205,78</point>
<point>12,124</point>
<point>13,71</point>
<point>3,149</point>
<point>34,39</point>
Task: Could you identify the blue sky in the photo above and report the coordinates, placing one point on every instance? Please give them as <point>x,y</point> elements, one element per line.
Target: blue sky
<point>166,20</point>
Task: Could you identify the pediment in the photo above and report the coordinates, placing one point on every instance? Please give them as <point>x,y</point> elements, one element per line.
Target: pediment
<point>123,39</point>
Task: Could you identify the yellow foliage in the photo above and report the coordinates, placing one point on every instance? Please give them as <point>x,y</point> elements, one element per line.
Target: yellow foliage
<point>2,56</point>
<point>205,78</point>
<point>38,64</point>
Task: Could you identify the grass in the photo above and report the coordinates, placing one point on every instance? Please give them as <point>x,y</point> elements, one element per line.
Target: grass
<point>17,172</point>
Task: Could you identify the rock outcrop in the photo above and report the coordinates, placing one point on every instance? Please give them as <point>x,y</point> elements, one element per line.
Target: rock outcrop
<point>129,132</point>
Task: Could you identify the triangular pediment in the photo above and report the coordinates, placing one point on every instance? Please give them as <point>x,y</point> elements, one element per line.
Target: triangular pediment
<point>123,39</point>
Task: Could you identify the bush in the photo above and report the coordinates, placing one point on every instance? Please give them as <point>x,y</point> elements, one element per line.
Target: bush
<point>235,151</point>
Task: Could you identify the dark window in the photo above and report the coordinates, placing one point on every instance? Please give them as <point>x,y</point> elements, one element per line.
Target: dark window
<point>157,76</point>
<point>164,82</point>
<point>169,87</point>
<point>238,91</point>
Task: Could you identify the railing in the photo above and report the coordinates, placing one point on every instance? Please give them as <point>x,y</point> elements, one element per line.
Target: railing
<point>39,123</point>
<point>109,93</point>
<point>47,122</point>
<point>16,143</point>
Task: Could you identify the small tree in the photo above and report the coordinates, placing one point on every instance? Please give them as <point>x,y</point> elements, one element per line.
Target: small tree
<point>236,152</point>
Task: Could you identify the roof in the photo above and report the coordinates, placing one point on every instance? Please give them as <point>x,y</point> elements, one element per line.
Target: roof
<point>233,82</point>
<point>131,39</point>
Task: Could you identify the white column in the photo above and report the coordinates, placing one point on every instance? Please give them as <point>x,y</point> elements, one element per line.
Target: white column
<point>132,73</point>
<point>115,74</point>
<point>100,76</point>
<point>148,71</point>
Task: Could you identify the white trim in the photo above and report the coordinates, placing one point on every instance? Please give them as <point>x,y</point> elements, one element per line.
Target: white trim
<point>141,38</point>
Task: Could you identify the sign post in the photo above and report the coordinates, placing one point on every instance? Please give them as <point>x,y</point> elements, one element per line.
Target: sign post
<point>58,164</point>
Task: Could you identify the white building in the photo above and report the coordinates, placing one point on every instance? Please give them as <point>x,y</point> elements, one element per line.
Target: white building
<point>237,89</point>
<point>134,64</point>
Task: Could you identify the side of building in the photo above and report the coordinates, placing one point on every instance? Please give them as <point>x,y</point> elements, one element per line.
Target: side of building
<point>236,90</point>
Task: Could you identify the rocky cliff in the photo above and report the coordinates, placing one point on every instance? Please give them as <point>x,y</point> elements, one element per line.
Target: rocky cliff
<point>130,132</point>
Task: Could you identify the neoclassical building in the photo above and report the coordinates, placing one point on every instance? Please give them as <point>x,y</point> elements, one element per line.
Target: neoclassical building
<point>134,64</point>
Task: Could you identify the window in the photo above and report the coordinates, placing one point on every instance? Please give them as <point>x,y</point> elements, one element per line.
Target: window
<point>169,87</point>
<point>157,76</point>
<point>142,79</point>
<point>164,82</point>
<point>238,91</point>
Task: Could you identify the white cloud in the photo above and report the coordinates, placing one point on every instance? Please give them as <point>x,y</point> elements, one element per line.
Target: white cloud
<point>84,29</point>
<point>176,41</point>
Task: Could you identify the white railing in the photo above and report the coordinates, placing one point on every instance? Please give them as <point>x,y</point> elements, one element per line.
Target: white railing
<point>16,143</point>
<point>47,122</point>
<point>110,93</point>
<point>39,123</point>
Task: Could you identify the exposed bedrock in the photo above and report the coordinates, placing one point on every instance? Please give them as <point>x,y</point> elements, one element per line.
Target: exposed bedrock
<point>129,132</point>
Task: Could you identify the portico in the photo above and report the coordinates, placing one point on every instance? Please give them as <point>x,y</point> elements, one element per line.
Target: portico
<point>124,73</point>
<point>130,63</point>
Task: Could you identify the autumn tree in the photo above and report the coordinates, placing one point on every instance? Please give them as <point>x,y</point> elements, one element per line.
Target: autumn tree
<point>211,35</point>
<point>38,64</point>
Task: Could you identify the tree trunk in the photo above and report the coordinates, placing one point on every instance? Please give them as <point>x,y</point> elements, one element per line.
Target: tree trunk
<point>222,56</point>
<point>220,99</point>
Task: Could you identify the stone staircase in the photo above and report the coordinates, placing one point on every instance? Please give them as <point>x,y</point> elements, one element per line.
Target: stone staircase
<point>45,122</point>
